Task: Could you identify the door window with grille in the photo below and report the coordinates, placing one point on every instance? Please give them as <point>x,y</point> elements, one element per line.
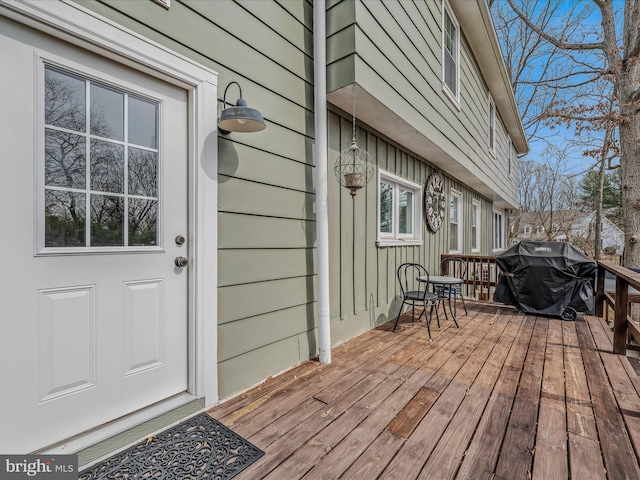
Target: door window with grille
<point>101,164</point>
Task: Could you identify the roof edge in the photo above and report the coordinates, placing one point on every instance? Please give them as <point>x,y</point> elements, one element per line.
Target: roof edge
<point>492,65</point>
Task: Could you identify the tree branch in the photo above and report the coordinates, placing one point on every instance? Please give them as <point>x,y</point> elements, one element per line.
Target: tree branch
<point>554,41</point>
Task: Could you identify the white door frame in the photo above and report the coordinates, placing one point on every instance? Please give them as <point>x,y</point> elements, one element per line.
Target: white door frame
<point>77,25</point>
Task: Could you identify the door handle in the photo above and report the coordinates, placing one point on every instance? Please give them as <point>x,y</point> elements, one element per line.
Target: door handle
<point>181,262</point>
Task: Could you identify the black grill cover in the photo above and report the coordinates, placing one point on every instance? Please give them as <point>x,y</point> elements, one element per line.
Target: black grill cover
<point>546,278</point>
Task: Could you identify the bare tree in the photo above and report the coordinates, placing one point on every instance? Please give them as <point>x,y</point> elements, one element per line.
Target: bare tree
<point>540,72</point>
<point>611,53</point>
<point>547,194</point>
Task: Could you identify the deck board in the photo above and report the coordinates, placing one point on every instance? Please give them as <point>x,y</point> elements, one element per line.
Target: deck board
<point>516,456</point>
<point>450,450</point>
<point>453,382</point>
<point>550,459</point>
<point>619,458</point>
<point>482,454</point>
<point>585,460</point>
<point>505,396</point>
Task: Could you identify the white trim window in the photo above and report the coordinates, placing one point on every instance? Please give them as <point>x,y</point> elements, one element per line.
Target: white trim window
<point>492,127</point>
<point>498,230</point>
<point>511,156</point>
<point>475,225</point>
<point>450,54</point>
<point>527,229</point>
<point>399,213</point>
<point>455,221</point>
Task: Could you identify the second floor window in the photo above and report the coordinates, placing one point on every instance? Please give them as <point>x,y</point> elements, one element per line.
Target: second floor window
<point>511,155</point>
<point>492,124</point>
<point>451,43</point>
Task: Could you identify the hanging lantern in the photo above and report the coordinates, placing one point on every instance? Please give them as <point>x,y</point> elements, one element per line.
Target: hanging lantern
<point>353,168</point>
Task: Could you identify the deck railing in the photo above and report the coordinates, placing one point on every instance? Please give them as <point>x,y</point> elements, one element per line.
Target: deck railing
<point>480,277</point>
<point>626,332</point>
<point>482,274</point>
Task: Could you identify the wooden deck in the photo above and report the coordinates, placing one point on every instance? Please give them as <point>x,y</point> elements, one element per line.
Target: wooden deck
<point>505,396</point>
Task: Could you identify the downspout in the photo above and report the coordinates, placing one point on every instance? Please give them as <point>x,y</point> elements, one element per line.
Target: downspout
<point>322,202</point>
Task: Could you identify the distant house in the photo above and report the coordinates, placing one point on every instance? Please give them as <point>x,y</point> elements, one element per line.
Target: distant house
<point>571,226</point>
<point>155,266</point>
<point>612,235</point>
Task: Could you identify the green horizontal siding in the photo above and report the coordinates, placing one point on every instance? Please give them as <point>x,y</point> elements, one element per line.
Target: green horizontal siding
<point>398,59</point>
<point>243,336</point>
<point>242,371</point>
<point>264,167</point>
<point>249,231</point>
<point>266,190</point>
<point>242,196</point>
<point>245,266</point>
<point>242,301</point>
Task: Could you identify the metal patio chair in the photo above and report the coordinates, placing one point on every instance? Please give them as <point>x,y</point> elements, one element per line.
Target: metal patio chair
<point>454,267</point>
<point>416,292</point>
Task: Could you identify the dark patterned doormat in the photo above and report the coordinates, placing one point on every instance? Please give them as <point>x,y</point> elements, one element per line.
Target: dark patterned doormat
<point>198,448</point>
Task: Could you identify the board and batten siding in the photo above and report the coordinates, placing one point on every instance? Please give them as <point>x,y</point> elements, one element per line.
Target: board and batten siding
<point>363,282</point>
<point>266,219</point>
<point>393,50</point>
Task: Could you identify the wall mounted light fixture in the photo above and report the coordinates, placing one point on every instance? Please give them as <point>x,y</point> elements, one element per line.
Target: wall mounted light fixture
<point>239,118</point>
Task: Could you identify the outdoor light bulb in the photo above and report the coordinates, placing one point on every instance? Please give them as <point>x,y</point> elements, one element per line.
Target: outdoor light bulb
<point>242,121</point>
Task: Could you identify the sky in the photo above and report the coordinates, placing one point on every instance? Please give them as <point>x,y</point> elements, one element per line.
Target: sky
<point>562,135</point>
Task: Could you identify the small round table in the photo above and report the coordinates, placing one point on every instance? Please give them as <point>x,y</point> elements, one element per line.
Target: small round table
<point>445,281</point>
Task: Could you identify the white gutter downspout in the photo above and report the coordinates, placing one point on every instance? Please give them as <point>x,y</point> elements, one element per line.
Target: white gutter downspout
<point>322,202</point>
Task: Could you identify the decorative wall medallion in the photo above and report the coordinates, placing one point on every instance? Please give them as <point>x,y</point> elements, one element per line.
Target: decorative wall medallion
<point>435,202</point>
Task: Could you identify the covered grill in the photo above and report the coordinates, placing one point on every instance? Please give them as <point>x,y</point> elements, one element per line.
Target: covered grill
<point>549,278</point>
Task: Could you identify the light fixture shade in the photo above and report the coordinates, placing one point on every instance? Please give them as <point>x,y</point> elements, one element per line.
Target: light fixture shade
<point>240,119</point>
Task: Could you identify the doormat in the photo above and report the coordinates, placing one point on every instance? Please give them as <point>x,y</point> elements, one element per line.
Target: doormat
<point>198,448</point>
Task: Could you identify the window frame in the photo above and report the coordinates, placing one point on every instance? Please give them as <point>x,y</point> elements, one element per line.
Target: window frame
<point>491,122</point>
<point>453,96</point>
<point>395,238</point>
<point>476,217</point>
<point>498,220</point>
<point>510,158</point>
<point>91,76</point>
<point>457,195</point>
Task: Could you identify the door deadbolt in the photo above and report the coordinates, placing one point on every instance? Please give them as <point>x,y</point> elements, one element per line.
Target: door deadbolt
<point>182,262</point>
<point>180,240</point>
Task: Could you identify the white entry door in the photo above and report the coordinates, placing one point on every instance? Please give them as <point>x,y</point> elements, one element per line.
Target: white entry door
<point>93,191</point>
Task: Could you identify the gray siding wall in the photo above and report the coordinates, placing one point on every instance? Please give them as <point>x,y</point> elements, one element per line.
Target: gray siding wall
<point>394,51</point>
<point>364,288</point>
<point>266,221</point>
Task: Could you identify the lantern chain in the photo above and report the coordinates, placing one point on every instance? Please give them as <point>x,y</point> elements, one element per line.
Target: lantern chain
<point>353,118</point>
